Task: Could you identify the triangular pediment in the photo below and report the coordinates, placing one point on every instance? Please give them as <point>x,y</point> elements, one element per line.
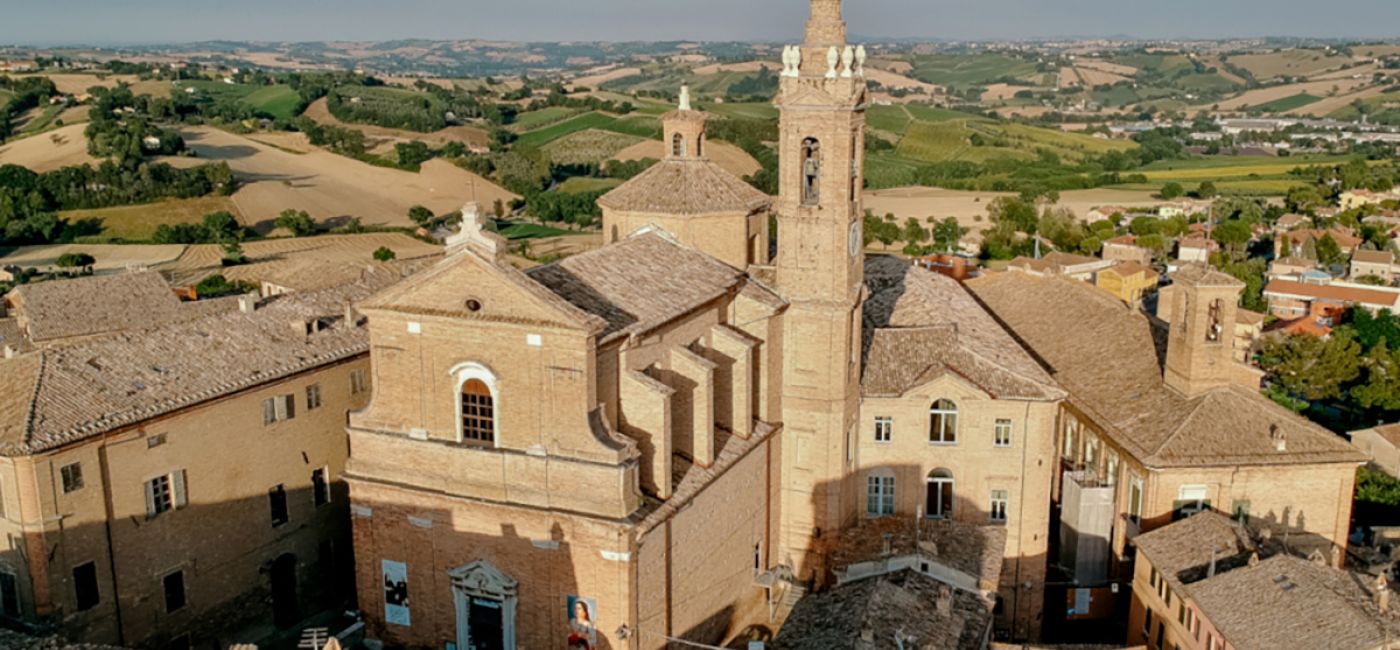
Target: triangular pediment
<point>482,577</point>
<point>471,287</point>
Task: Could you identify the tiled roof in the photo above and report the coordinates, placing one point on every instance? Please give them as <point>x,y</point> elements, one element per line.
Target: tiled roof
<point>921,325</point>
<point>905,602</point>
<point>1289,602</point>
<point>101,304</point>
<point>11,640</point>
<point>678,186</point>
<point>1123,240</point>
<point>978,551</point>
<point>1204,275</point>
<point>640,282</point>
<point>1106,355</point>
<point>1373,257</point>
<point>1390,432</point>
<point>1184,550</point>
<point>1332,292</point>
<point>93,387</point>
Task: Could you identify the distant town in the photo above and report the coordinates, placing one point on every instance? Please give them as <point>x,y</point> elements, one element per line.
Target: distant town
<point>483,345</point>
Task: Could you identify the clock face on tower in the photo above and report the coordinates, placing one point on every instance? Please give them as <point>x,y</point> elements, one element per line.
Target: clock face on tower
<point>855,238</point>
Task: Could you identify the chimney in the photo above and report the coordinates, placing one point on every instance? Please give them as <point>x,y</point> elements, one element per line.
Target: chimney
<point>352,317</point>
<point>1280,440</point>
<point>867,635</point>
<point>1253,559</point>
<point>11,352</point>
<point>1210,573</point>
<point>1382,594</point>
<point>248,303</point>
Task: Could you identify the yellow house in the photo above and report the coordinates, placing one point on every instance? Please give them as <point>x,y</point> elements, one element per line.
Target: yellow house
<point>1128,281</point>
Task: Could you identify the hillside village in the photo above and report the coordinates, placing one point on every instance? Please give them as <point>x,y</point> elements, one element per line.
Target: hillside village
<point>480,345</point>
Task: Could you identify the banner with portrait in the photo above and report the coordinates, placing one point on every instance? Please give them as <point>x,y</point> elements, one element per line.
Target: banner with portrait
<point>583,623</point>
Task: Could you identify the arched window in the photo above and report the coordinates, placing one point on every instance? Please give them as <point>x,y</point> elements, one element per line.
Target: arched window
<point>478,412</point>
<point>879,493</point>
<point>943,422</point>
<point>677,145</point>
<point>478,396</point>
<point>700,144</point>
<point>939,501</point>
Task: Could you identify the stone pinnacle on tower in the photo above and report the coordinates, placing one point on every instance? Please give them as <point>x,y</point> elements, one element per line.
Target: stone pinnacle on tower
<point>825,28</point>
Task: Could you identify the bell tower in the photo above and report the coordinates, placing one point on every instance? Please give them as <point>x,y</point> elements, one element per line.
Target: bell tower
<point>820,271</point>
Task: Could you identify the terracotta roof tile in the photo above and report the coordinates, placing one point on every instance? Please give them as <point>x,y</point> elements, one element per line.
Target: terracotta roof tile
<point>640,282</point>
<point>920,325</point>
<point>1373,257</point>
<point>1332,292</point>
<point>99,304</point>
<point>93,387</point>
<point>679,186</point>
<point>905,602</point>
<point>1105,354</point>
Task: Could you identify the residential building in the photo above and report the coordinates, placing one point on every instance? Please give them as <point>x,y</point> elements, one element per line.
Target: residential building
<point>948,433</point>
<point>1196,249</point>
<point>1290,299</point>
<point>1127,281</point>
<point>1291,222</point>
<point>1249,326</point>
<point>1104,213</point>
<point>1382,445</point>
<point>1290,266</point>
<point>957,266</point>
<point>1298,240</point>
<point>1146,439</point>
<point>1125,249</point>
<point>1209,582</point>
<point>1380,264</point>
<point>1077,267</point>
<point>124,520</point>
<point>1353,199</point>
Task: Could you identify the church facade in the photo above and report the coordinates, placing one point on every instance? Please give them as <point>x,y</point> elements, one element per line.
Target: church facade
<point>666,438</point>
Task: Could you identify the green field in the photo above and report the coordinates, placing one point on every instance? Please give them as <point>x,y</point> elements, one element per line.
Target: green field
<point>935,114</point>
<point>965,71</point>
<point>518,231</point>
<point>43,119</point>
<point>759,111</point>
<point>276,101</point>
<point>894,119</point>
<point>546,135</point>
<point>588,146</point>
<point>1288,103</point>
<point>139,222</point>
<point>581,184</point>
<point>541,118</point>
<point>980,140</point>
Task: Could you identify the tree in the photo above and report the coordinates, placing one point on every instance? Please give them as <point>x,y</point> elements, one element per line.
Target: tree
<point>298,222</point>
<point>1329,252</point>
<point>75,260</point>
<point>384,254</point>
<point>498,208</point>
<point>1172,191</point>
<point>217,285</point>
<point>1381,390</point>
<point>947,234</point>
<point>222,227</point>
<point>1304,198</point>
<point>914,233</point>
<point>420,215</point>
<point>1143,226</point>
<point>1234,235</point>
<point>1314,368</point>
<point>233,254</point>
<point>1015,211</point>
<point>1207,190</point>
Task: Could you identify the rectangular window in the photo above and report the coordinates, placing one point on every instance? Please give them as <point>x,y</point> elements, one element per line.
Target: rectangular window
<point>1091,454</point>
<point>1190,499</point>
<point>1111,468</point>
<point>1181,614</point>
<point>155,441</point>
<point>1152,578</point>
<point>9,594</point>
<point>279,408</point>
<point>359,381</point>
<point>174,586</point>
<point>884,428</point>
<point>1135,499</point>
<point>879,496</point>
<point>1147,624</point>
<point>164,493</point>
<point>85,586</point>
<point>1071,430</point>
<point>320,487</point>
<point>1002,435</point>
<point>277,503</point>
<point>999,501</point>
<point>72,477</point>
<point>313,397</point>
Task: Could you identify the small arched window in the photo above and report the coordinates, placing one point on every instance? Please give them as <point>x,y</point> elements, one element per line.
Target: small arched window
<point>678,145</point>
<point>811,171</point>
<point>478,412</point>
<point>939,501</point>
<point>943,422</point>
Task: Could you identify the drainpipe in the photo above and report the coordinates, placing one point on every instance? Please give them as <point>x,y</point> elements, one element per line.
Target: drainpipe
<point>111,545</point>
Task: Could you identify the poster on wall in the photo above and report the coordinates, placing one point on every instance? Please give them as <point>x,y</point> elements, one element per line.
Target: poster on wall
<point>583,628</point>
<point>395,592</point>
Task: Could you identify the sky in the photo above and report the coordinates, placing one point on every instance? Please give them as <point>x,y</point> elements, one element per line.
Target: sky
<point>104,22</point>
